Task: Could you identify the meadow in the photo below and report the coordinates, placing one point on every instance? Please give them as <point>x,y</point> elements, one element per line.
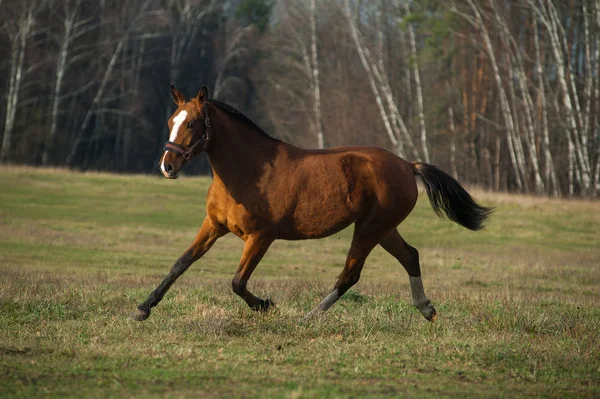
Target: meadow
<point>518,303</point>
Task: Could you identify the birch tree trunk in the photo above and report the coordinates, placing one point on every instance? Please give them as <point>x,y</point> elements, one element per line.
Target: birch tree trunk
<point>61,66</point>
<point>589,74</point>
<point>504,106</point>
<point>597,99</point>
<point>383,83</point>
<point>415,65</point>
<point>19,45</point>
<point>516,136</point>
<point>315,74</point>
<point>549,171</point>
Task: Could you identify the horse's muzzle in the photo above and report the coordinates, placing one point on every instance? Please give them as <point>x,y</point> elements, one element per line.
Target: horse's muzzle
<point>168,170</point>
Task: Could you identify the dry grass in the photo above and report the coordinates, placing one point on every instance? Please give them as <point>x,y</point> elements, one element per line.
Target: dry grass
<point>518,303</point>
<point>534,201</point>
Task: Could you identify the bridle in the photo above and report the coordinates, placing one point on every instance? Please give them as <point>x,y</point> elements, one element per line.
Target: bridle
<point>187,153</point>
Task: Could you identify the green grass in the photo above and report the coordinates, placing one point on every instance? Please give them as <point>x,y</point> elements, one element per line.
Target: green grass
<point>518,303</point>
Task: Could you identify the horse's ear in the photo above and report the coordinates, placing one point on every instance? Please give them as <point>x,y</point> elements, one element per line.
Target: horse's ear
<point>177,96</point>
<point>203,94</point>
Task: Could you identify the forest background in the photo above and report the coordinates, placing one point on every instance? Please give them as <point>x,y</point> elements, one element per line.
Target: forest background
<point>501,94</point>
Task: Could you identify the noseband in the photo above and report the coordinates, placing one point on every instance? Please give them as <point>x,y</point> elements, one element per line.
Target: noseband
<point>187,153</point>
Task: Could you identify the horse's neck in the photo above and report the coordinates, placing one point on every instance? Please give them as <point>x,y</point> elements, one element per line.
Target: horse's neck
<point>240,153</point>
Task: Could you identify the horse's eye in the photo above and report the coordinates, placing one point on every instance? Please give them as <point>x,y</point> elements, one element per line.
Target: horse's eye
<point>190,125</point>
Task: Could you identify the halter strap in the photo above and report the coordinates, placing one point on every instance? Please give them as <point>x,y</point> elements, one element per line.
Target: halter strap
<point>187,153</point>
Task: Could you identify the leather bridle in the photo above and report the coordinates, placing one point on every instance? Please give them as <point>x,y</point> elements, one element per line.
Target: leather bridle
<point>205,140</point>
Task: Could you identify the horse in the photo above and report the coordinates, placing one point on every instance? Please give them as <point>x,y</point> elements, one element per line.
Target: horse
<point>264,189</point>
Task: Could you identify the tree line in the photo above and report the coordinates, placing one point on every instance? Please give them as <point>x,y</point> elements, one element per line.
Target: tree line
<point>502,94</point>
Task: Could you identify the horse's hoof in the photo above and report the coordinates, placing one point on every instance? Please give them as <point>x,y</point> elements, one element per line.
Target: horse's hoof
<point>269,304</point>
<point>264,306</point>
<point>313,314</point>
<point>433,317</point>
<point>140,315</point>
<point>428,311</point>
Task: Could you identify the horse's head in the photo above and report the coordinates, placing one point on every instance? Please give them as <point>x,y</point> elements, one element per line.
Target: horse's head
<point>190,132</point>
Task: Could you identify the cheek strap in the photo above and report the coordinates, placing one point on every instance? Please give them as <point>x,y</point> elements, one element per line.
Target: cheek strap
<point>179,150</point>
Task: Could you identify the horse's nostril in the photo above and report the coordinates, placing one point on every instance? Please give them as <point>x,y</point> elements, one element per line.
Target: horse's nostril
<point>168,168</point>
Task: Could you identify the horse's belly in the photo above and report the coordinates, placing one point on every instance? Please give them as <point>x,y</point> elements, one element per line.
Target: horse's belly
<point>316,218</point>
<point>312,232</point>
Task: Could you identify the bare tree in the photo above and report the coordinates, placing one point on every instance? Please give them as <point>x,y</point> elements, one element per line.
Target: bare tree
<point>186,18</point>
<point>293,76</point>
<point>517,69</point>
<point>547,14</point>
<point>397,133</point>
<point>419,90</point>
<point>105,80</point>
<point>315,74</point>
<point>229,85</point>
<point>549,170</point>
<point>19,30</point>
<point>73,28</point>
<point>511,135</point>
<point>597,97</point>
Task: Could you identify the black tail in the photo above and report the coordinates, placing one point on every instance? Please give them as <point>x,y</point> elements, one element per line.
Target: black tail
<point>446,194</point>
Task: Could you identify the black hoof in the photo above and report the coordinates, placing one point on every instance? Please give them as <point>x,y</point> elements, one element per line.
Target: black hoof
<point>264,305</point>
<point>140,315</point>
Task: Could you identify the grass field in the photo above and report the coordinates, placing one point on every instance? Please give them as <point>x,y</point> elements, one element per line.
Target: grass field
<point>518,303</point>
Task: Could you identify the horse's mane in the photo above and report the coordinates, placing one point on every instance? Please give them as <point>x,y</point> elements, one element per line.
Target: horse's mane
<point>232,111</point>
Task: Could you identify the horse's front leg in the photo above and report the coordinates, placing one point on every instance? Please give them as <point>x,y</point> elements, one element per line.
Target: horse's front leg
<point>206,237</point>
<point>254,249</point>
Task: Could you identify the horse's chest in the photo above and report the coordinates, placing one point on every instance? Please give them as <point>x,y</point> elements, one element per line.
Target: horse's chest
<point>240,220</point>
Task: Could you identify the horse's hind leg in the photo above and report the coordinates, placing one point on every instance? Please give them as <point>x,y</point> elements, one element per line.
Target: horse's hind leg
<point>409,258</point>
<point>254,250</point>
<point>363,243</point>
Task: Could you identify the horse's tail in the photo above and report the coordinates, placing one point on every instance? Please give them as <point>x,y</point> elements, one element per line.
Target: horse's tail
<point>446,194</point>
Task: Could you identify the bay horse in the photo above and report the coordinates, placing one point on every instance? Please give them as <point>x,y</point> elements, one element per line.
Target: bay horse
<point>264,189</point>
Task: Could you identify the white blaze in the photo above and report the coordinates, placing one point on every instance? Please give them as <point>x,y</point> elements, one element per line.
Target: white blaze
<point>177,121</point>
